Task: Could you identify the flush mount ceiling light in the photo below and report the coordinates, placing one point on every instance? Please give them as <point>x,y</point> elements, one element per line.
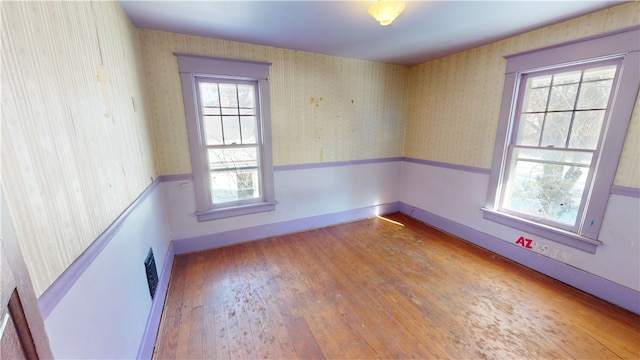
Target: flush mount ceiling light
<point>386,11</point>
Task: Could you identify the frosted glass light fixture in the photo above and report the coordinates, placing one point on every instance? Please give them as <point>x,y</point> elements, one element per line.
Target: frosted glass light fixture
<point>386,11</point>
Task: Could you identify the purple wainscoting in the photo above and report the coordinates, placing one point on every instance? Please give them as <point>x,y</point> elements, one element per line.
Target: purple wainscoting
<point>55,294</point>
<point>100,306</point>
<point>286,227</point>
<point>465,168</point>
<point>56,291</point>
<point>607,290</point>
<point>148,342</point>
<point>335,164</point>
<point>625,191</point>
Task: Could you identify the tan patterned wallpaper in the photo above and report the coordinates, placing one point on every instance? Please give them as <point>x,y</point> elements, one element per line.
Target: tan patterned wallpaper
<point>454,101</point>
<point>323,108</point>
<point>628,173</point>
<point>76,145</point>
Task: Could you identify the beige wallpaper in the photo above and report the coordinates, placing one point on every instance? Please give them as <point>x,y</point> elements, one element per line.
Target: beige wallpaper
<point>628,173</point>
<point>76,145</point>
<point>454,101</point>
<point>323,108</point>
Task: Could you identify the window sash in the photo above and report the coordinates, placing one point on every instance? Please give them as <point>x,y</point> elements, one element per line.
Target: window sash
<point>510,174</point>
<point>210,193</point>
<point>523,78</point>
<point>508,167</point>
<point>243,168</point>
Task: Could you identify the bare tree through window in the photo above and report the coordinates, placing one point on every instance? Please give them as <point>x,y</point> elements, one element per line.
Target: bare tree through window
<point>559,127</point>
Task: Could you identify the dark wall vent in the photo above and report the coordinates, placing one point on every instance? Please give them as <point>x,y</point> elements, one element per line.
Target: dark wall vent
<point>152,272</point>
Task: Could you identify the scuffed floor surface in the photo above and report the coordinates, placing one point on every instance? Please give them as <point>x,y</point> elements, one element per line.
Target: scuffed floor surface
<point>376,289</point>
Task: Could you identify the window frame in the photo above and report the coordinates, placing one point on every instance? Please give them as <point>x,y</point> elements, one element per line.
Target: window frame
<point>622,43</point>
<point>517,119</point>
<point>194,68</point>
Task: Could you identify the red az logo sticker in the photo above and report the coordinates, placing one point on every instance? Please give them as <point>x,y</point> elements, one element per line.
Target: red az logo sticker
<point>526,243</point>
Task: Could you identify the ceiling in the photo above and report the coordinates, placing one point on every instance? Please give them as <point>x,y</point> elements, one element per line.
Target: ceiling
<point>424,31</point>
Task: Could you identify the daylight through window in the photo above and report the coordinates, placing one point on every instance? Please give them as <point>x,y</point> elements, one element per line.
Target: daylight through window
<point>563,122</point>
<point>227,108</point>
<point>559,126</point>
<point>229,119</point>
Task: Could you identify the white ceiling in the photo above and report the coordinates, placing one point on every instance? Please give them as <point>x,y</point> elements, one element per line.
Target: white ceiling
<point>424,31</point>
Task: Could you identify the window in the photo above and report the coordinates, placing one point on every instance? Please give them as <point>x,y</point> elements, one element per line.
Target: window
<point>564,118</point>
<point>558,127</point>
<point>226,106</point>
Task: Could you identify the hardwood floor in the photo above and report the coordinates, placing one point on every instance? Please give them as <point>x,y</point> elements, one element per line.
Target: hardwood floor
<point>376,289</point>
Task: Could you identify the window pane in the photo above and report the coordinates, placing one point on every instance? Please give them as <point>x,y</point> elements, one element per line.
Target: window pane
<point>209,94</point>
<point>547,184</point>
<point>244,111</point>
<point>586,129</point>
<point>529,131</point>
<point>556,129</point>
<point>564,91</point>
<point>206,111</point>
<point>234,174</point>
<point>600,73</point>
<point>536,95</point>
<point>246,96</point>
<point>229,111</point>
<point>594,95</point>
<point>213,130</point>
<point>228,95</point>
<point>231,128</point>
<point>248,126</point>
<point>596,88</point>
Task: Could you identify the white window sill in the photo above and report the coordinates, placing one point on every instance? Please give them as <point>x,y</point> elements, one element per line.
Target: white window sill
<point>222,213</point>
<point>561,236</point>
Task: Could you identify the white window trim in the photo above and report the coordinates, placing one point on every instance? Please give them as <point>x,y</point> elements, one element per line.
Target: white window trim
<point>621,43</point>
<point>191,66</point>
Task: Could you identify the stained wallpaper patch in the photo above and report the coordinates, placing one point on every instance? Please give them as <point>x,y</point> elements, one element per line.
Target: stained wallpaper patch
<point>323,108</point>
<point>326,108</point>
<point>76,143</point>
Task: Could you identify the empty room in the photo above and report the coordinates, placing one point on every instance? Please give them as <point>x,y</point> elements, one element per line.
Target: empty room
<point>320,179</point>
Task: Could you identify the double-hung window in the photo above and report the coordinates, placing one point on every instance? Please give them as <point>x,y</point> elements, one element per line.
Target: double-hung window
<point>227,110</point>
<point>556,138</point>
<point>564,118</point>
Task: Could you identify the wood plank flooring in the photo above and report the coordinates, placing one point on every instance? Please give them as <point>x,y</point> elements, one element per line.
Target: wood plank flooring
<point>376,289</point>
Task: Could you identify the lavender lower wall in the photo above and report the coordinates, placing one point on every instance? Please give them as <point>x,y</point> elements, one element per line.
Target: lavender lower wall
<point>148,341</point>
<point>252,233</point>
<point>301,192</point>
<point>580,279</point>
<point>99,308</point>
<point>454,197</point>
<point>450,197</point>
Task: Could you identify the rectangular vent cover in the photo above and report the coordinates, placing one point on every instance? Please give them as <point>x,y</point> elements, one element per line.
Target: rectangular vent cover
<point>152,273</point>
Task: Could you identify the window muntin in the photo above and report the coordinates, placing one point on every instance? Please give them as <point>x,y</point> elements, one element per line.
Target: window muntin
<point>551,158</point>
<point>229,123</point>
